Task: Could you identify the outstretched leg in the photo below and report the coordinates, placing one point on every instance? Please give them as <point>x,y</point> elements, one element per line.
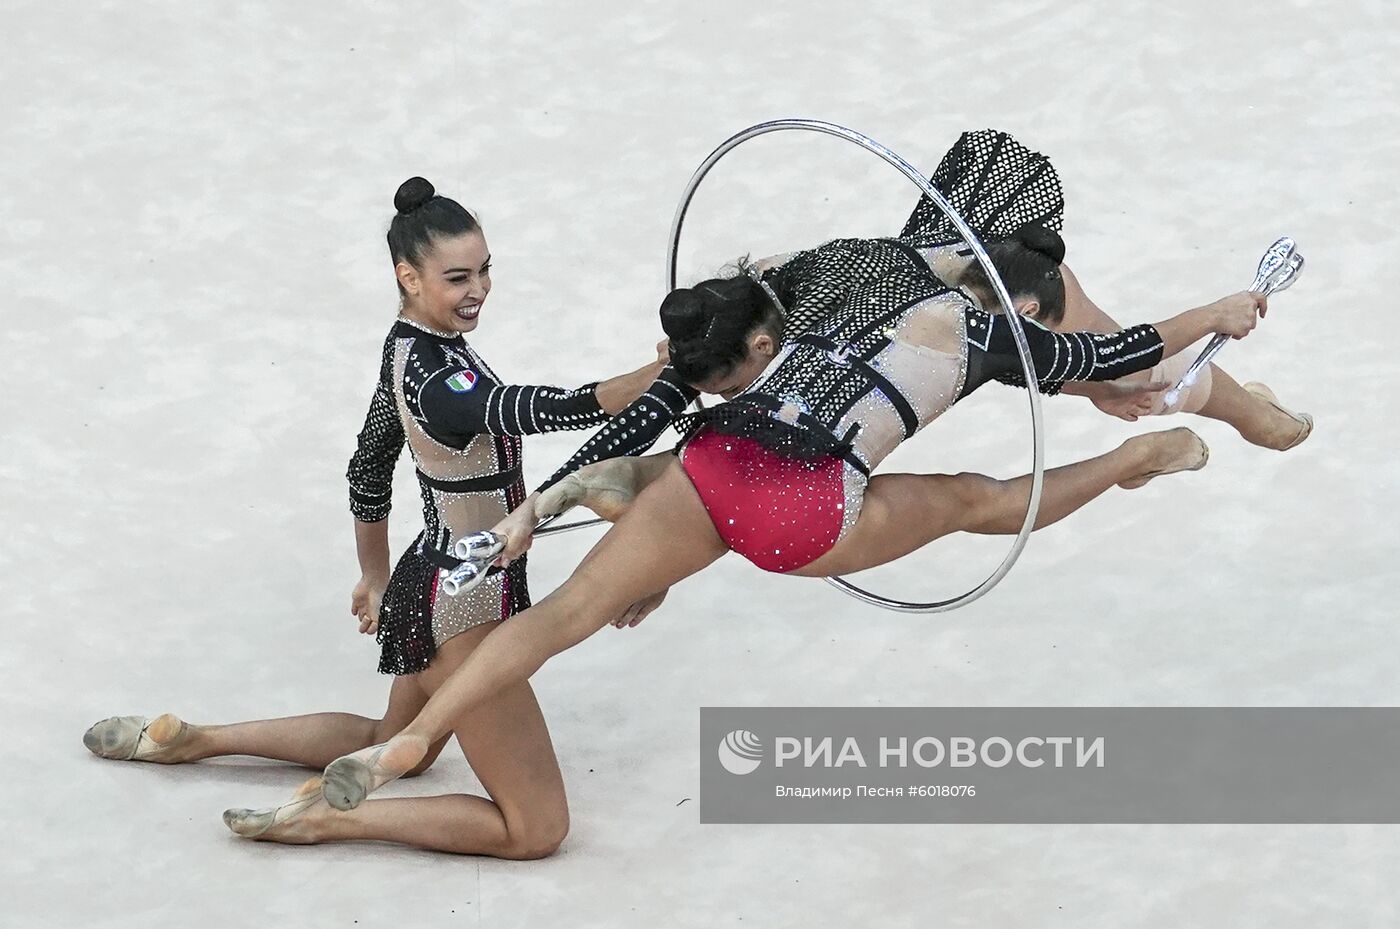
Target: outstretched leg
<point>665,537</point>
<point>312,740</point>
<point>904,512</point>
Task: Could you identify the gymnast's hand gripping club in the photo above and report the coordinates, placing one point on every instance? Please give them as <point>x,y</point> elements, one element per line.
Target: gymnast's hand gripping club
<point>480,549</point>
<point>1278,269</point>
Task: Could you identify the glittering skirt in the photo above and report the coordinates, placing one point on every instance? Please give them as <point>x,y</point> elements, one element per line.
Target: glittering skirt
<point>779,512</point>
<point>415,616</point>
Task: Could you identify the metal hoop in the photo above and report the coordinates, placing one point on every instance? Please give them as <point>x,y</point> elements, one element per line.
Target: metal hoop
<point>1018,333</point>
<point>546,526</point>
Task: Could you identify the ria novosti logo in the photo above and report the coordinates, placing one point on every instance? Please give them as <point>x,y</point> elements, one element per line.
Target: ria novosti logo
<point>740,752</point>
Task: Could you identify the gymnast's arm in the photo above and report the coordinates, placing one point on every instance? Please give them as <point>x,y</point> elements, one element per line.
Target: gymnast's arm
<point>1084,314</point>
<point>631,432</point>
<point>454,404</point>
<point>950,263</point>
<point>1091,356</point>
<point>617,393</point>
<point>635,429</point>
<point>371,479</point>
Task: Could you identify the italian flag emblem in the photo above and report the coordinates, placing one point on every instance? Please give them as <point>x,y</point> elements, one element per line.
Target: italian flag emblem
<point>462,381</point>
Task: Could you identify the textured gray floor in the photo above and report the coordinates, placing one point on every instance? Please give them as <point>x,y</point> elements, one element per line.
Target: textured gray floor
<point>193,199</point>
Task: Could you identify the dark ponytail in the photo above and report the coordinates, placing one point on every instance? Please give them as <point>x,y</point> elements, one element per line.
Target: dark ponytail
<point>1029,264</point>
<point>709,324</point>
<point>422,216</point>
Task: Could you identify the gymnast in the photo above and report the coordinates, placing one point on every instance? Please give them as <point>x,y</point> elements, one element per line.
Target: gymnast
<point>1008,193</point>
<point>436,394</point>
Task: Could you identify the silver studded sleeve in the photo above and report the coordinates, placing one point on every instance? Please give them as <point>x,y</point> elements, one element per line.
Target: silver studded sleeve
<point>454,402</point>
<point>636,428</point>
<point>1058,356</point>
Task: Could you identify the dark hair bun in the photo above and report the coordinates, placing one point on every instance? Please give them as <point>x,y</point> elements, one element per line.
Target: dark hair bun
<point>412,194</point>
<point>683,315</point>
<point>1038,238</point>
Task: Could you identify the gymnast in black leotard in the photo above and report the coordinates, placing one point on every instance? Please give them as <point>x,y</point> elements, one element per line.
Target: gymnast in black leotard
<point>462,425</point>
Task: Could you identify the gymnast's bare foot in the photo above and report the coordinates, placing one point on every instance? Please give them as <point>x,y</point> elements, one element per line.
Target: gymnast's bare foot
<point>605,487</point>
<point>1289,429</point>
<point>351,778</point>
<point>299,821</point>
<point>167,739</point>
<point>1167,452</point>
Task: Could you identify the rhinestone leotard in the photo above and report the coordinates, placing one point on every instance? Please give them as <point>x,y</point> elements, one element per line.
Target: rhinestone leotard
<point>462,427</point>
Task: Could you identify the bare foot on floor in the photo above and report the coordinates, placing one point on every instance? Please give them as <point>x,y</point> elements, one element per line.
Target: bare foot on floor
<point>296,822</point>
<point>167,739</point>
<point>1167,452</point>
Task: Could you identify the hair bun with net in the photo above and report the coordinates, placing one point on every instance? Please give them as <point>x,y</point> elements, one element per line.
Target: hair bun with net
<point>683,315</point>
<point>412,194</point>
<point>1038,238</point>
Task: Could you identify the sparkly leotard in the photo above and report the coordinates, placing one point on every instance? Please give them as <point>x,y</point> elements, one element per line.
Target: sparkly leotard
<point>462,427</point>
<point>900,352</point>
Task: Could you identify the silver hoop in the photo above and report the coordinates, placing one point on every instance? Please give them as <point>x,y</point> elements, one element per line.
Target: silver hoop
<point>546,526</point>
<point>1018,333</point>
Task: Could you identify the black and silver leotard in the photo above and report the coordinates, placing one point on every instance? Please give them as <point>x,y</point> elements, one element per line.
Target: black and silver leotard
<point>860,383</point>
<point>995,182</point>
<point>462,427</point>
<point>898,354</point>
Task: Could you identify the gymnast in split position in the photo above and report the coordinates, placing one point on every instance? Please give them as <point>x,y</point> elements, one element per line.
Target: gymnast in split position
<point>462,426</point>
<point>1012,196</point>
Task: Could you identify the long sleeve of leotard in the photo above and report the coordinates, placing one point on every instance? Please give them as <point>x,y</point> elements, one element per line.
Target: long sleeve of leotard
<point>371,471</point>
<point>1058,356</point>
<point>636,428</point>
<point>459,402</point>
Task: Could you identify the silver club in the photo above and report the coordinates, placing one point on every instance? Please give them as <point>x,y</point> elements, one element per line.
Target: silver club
<point>1277,270</point>
<point>464,577</point>
<point>479,546</point>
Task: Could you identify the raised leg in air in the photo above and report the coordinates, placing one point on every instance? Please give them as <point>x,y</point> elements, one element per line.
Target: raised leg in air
<point>903,512</point>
